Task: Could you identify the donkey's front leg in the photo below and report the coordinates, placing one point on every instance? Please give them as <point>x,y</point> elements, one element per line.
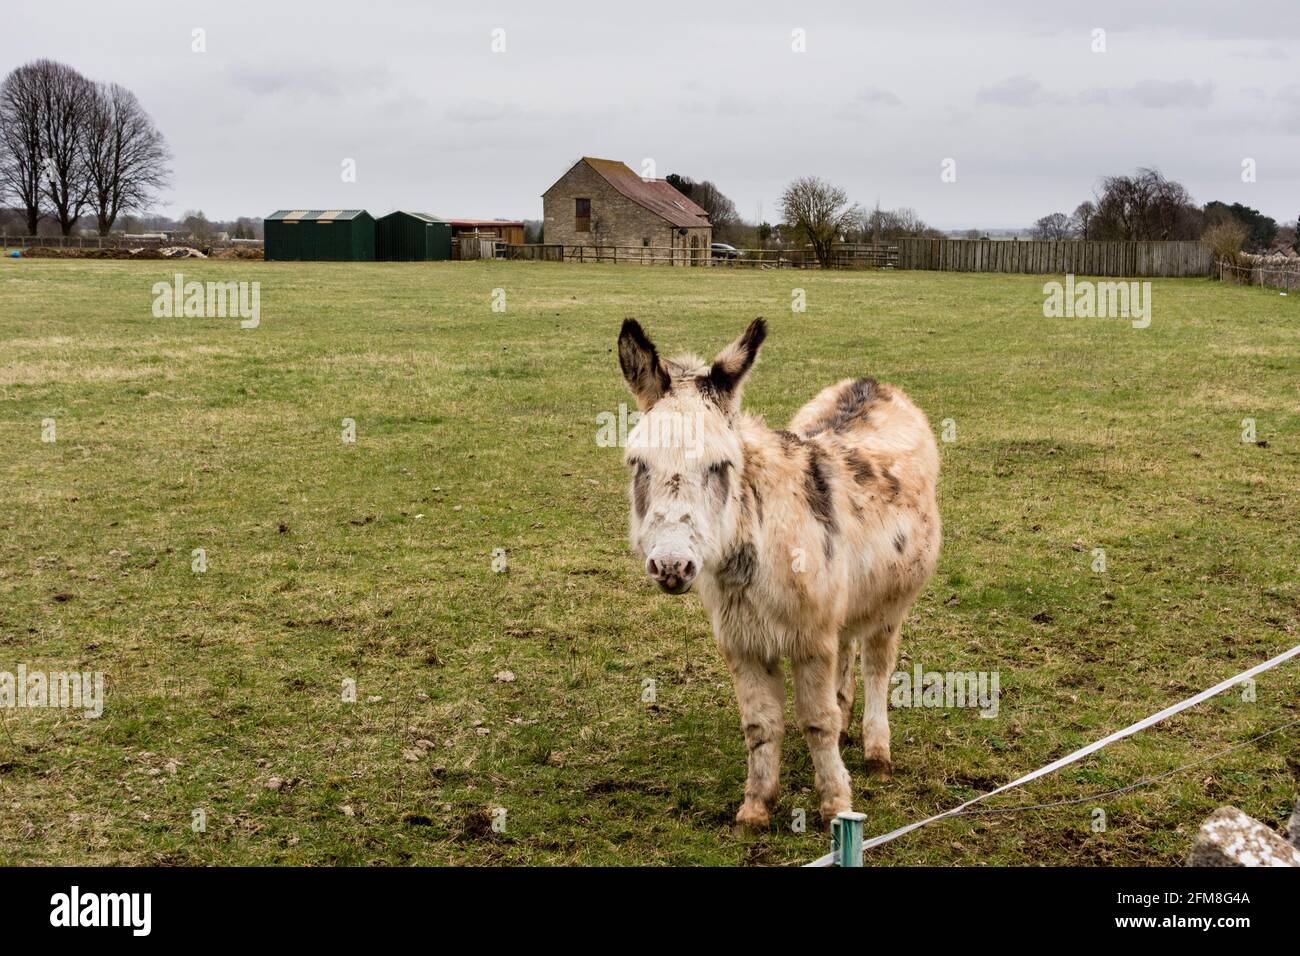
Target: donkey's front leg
<point>760,692</point>
<point>819,715</point>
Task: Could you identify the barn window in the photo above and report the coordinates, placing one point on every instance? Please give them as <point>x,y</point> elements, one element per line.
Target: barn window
<point>582,215</point>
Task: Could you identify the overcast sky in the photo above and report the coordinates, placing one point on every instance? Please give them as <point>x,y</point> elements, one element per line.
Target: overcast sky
<point>438,122</point>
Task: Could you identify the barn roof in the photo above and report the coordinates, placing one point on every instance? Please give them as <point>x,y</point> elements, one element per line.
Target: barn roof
<point>422,216</point>
<point>485,222</point>
<point>312,215</point>
<point>657,195</point>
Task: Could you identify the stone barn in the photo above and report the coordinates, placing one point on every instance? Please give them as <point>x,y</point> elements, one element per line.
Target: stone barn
<point>601,204</point>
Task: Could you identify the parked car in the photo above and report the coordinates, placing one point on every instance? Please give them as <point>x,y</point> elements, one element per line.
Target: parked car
<point>721,250</point>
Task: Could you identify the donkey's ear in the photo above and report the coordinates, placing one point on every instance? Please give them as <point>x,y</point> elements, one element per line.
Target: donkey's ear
<point>734,362</point>
<point>642,367</point>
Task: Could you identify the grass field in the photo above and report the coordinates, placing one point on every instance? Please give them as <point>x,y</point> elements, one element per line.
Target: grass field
<point>475,430</point>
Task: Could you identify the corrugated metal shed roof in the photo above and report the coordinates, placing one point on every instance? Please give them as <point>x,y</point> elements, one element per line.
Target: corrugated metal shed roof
<point>424,216</point>
<point>657,195</point>
<point>312,215</point>
<point>484,222</point>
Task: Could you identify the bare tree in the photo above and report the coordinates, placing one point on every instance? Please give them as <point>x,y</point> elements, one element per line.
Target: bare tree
<point>1054,226</point>
<point>199,226</point>
<point>123,154</point>
<point>894,223</point>
<point>1145,205</point>
<point>723,216</point>
<point>820,213</point>
<point>64,97</point>
<point>1082,218</point>
<point>20,144</point>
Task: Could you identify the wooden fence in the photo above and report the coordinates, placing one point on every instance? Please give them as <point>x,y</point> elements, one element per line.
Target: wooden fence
<point>638,255</point>
<point>1262,271</point>
<point>1048,257</point>
<point>471,245</point>
<point>766,259</point>
<point>536,252</point>
<point>863,255</point>
<point>847,256</point>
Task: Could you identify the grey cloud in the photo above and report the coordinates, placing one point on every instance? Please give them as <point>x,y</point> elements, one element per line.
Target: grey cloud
<point>472,112</point>
<point>1276,53</point>
<point>309,82</point>
<point>726,103</point>
<point>1018,91</point>
<point>877,96</point>
<point>868,102</point>
<point>1025,92</point>
<point>1289,97</point>
<point>1094,97</point>
<point>1164,94</point>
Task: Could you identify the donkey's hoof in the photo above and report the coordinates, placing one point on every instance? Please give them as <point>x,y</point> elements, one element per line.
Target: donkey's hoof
<point>752,818</point>
<point>834,808</point>
<point>878,766</point>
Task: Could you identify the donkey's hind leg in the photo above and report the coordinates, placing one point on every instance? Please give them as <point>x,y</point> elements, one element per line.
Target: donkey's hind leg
<point>846,683</point>
<point>879,654</point>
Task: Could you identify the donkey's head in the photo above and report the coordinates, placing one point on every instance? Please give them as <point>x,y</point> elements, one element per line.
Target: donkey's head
<point>684,453</point>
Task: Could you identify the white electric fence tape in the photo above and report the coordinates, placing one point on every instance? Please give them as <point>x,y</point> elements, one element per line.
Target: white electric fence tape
<point>1079,754</point>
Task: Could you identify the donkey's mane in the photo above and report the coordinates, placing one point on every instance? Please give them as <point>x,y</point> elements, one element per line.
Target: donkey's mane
<point>686,365</point>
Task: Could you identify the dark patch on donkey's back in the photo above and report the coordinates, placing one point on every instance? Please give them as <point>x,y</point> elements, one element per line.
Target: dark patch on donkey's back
<point>895,486</point>
<point>790,442</point>
<point>817,488</point>
<point>859,466</point>
<point>850,405</point>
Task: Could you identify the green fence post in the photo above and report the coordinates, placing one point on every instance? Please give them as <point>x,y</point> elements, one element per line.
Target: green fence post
<point>846,838</point>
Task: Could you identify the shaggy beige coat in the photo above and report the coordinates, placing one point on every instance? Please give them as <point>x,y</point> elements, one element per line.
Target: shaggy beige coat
<point>807,544</point>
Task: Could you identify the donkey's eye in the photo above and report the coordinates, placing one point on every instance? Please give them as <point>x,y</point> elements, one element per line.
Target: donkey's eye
<point>718,477</point>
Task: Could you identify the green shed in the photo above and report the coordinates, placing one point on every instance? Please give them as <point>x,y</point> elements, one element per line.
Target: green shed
<point>333,235</point>
<point>412,237</point>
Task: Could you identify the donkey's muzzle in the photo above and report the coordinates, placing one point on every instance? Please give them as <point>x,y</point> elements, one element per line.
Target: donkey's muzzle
<point>672,574</point>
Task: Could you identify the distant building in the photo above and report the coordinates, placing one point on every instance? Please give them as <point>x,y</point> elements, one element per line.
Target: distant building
<point>507,230</point>
<point>337,235</point>
<point>601,202</point>
<point>412,237</point>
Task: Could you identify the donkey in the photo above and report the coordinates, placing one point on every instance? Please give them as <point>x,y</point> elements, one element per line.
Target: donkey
<point>809,543</point>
